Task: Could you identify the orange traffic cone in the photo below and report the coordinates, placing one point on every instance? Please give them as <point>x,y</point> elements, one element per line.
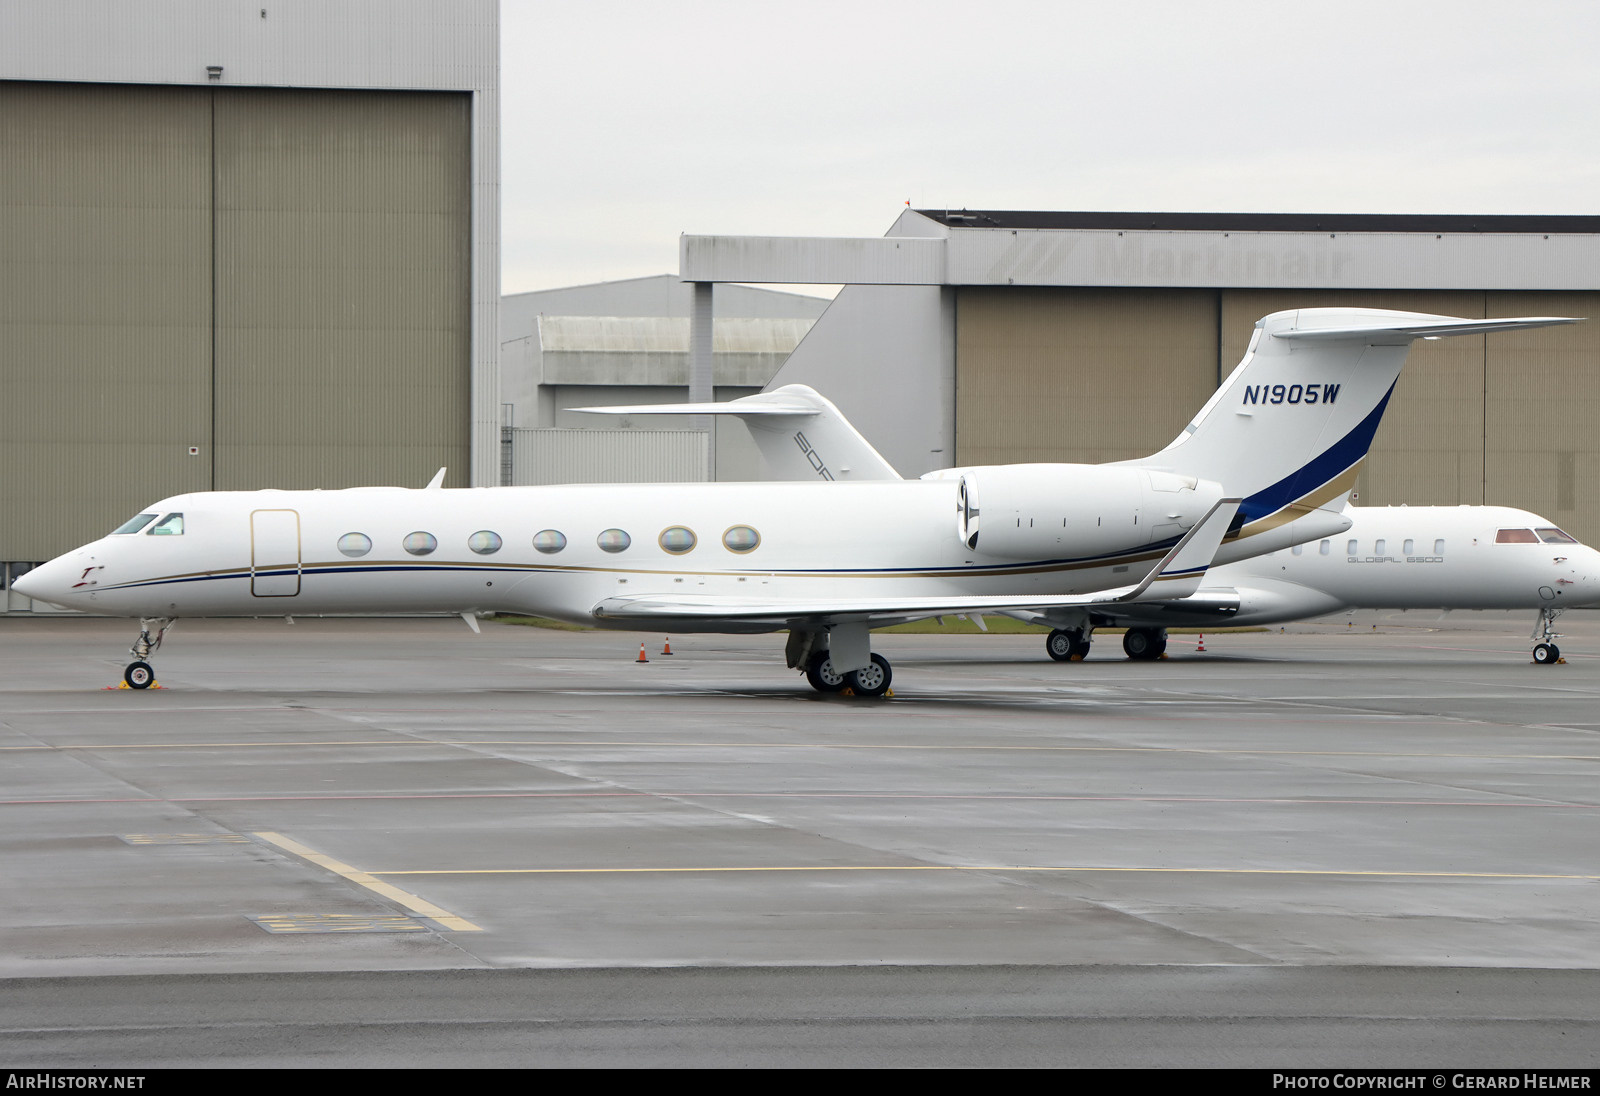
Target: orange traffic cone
<point>666,646</point>
<point>1202,645</point>
<point>641,657</point>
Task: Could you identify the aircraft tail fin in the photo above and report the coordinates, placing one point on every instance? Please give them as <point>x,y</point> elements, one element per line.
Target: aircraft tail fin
<point>800,433</point>
<point>1288,430</point>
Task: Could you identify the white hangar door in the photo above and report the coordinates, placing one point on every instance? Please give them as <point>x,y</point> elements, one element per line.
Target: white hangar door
<point>274,553</point>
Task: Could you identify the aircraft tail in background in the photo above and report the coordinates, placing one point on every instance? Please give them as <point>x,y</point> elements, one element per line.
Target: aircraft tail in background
<point>800,433</point>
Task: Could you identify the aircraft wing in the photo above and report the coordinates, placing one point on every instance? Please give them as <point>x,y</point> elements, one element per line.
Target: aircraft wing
<point>1177,575</point>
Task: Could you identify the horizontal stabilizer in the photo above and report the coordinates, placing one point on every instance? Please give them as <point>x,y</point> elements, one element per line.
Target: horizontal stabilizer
<point>1419,327</point>
<point>801,434</point>
<point>760,404</point>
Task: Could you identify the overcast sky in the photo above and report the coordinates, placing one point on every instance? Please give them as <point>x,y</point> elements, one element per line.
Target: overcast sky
<point>625,123</point>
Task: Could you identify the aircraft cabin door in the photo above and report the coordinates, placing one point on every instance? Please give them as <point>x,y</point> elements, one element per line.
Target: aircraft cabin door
<point>274,553</point>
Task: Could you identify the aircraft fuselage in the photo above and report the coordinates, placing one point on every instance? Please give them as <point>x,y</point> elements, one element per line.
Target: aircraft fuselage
<point>559,551</point>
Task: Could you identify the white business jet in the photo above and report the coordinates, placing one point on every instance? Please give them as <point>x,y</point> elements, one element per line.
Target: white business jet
<point>1391,557</point>
<point>1268,462</point>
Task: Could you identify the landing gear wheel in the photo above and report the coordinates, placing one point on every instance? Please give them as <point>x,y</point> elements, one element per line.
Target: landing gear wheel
<point>1144,644</point>
<point>820,672</point>
<point>1067,645</point>
<point>872,680</point>
<point>1546,654</point>
<point>1059,644</point>
<point>138,675</point>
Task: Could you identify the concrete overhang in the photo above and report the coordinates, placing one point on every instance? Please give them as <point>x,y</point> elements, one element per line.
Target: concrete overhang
<point>1373,253</point>
<point>812,260</point>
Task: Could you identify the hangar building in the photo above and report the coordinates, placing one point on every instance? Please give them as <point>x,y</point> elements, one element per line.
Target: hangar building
<point>242,245</point>
<point>627,342</point>
<point>984,337</point>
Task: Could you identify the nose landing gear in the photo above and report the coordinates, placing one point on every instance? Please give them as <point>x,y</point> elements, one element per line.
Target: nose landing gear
<point>138,674</point>
<point>1545,652</point>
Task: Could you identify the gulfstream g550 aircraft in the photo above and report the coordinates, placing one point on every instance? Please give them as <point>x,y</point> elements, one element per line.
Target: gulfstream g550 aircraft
<point>1268,462</point>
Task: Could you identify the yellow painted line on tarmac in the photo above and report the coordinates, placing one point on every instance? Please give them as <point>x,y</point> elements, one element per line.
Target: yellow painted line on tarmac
<point>409,901</point>
<point>995,868</point>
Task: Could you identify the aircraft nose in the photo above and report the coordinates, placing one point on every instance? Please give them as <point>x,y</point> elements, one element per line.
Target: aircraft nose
<point>46,582</point>
<point>30,584</point>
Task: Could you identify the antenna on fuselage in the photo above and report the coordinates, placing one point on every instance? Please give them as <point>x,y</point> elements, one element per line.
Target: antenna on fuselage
<point>436,482</point>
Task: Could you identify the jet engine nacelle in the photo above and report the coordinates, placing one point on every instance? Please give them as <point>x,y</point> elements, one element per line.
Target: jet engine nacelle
<point>1063,511</point>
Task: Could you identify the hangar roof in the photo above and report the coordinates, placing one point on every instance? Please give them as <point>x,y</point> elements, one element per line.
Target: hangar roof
<point>1261,222</point>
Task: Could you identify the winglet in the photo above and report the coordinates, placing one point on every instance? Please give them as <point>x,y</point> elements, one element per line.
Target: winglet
<point>436,482</point>
<point>1180,572</point>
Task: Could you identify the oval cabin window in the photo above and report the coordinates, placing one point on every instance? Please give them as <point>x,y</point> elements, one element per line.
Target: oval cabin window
<point>420,543</point>
<point>741,538</point>
<point>613,540</point>
<point>484,542</point>
<point>549,541</point>
<point>355,544</point>
<point>678,539</point>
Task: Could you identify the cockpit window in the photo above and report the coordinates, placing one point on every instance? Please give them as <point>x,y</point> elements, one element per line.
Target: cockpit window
<point>169,526</point>
<point>1515,536</point>
<point>1552,535</point>
<point>134,524</point>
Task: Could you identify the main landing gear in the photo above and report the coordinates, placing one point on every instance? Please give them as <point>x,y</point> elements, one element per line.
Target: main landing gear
<point>871,680</point>
<point>812,652</point>
<point>138,674</point>
<point>1545,652</point>
<point>1145,644</point>
<point>1068,644</point>
<point>1072,644</point>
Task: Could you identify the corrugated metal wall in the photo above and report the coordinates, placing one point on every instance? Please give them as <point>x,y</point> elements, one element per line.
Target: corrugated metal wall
<point>1543,406</point>
<point>1096,375</point>
<point>609,456</point>
<point>343,295</point>
<point>1079,375</point>
<point>105,307</point>
<point>306,251</point>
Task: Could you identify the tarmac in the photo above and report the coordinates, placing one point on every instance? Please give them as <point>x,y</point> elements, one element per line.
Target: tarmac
<point>1368,841</point>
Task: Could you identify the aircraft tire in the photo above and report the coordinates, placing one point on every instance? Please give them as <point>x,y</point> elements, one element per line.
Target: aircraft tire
<point>1059,645</point>
<point>819,671</point>
<point>1144,644</point>
<point>872,680</point>
<point>138,675</point>
<point>1546,654</point>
